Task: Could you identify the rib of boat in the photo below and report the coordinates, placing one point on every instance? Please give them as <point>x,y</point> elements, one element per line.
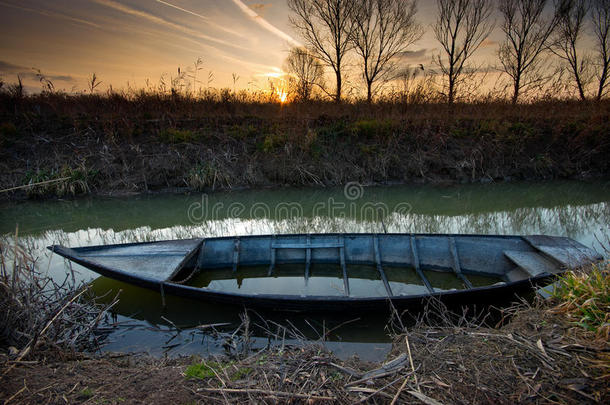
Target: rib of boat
<point>339,272</point>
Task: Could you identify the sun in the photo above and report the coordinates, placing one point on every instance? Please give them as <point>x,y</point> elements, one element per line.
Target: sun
<point>282,95</point>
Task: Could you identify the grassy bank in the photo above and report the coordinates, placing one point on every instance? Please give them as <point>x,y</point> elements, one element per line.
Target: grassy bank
<point>548,352</point>
<point>84,144</point>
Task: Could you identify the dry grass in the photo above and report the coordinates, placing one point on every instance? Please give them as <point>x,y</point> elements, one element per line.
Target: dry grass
<point>535,357</point>
<point>534,354</point>
<point>147,141</point>
<point>38,315</point>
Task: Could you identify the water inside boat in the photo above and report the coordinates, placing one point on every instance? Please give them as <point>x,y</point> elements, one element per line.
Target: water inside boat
<point>327,280</point>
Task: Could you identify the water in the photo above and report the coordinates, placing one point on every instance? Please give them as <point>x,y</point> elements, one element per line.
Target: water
<point>327,280</point>
<point>578,210</point>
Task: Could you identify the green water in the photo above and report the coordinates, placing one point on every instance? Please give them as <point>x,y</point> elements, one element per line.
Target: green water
<point>575,209</point>
<point>327,280</point>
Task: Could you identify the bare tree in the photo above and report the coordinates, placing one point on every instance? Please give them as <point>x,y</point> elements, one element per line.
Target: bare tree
<point>527,33</point>
<point>382,30</point>
<point>306,73</point>
<point>326,27</point>
<point>571,16</point>
<point>461,27</point>
<point>600,16</point>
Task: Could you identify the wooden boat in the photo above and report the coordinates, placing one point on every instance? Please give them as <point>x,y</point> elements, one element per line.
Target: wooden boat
<point>338,272</point>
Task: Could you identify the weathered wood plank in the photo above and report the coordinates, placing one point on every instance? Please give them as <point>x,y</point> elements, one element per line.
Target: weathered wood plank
<point>420,273</point>
<point>379,267</point>
<point>533,263</point>
<point>236,254</point>
<point>344,269</point>
<point>272,265</point>
<point>456,263</point>
<point>186,259</point>
<point>322,245</point>
<point>565,251</point>
<point>307,260</point>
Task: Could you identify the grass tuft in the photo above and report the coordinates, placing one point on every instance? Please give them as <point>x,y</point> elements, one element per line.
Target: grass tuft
<point>66,181</point>
<point>241,373</point>
<point>85,393</point>
<point>585,298</point>
<point>203,370</point>
<point>212,369</point>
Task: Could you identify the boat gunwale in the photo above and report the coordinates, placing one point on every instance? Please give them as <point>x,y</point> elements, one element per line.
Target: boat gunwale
<point>347,234</point>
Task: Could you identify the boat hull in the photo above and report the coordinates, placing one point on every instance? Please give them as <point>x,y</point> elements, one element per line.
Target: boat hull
<point>523,263</point>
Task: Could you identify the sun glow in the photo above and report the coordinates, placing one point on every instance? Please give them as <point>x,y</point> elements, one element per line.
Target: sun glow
<point>282,95</point>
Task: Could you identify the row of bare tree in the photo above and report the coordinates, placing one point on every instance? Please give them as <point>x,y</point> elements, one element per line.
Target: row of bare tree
<point>379,32</point>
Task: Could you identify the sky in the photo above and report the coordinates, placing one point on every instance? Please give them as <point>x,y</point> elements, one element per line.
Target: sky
<point>126,42</point>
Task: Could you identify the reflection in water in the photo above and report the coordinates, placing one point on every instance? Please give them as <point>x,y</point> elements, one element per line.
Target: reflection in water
<point>327,280</point>
<point>142,323</point>
<point>578,210</point>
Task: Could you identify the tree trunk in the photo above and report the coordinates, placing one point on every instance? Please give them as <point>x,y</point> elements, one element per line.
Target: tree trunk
<point>369,93</point>
<point>602,81</point>
<point>581,91</point>
<point>451,95</point>
<point>516,85</point>
<point>338,93</point>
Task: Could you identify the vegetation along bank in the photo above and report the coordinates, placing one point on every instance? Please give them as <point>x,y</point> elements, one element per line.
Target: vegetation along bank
<point>118,142</point>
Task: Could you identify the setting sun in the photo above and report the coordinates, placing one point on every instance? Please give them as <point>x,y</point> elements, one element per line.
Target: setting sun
<point>282,95</point>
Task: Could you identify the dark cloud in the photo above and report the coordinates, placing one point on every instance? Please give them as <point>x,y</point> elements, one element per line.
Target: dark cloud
<point>31,73</point>
<point>63,78</point>
<point>414,55</point>
<point>259,7</point>
<point>7,67</point>
<point>488,42</point>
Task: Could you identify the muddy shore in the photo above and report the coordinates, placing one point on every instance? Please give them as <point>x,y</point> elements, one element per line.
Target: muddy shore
<point>537,356</point>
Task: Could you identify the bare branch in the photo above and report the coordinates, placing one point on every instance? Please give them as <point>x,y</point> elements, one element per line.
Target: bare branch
<point>600,16</point>
<point>306,73</point>
<point>383,29</point>
<point>526,34</point>
<point>461,27</point>
<point>326,28</point>
<point>571,16</point>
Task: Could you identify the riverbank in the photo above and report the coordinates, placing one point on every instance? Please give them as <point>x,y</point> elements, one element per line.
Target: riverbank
<point>537,356</point>
<point>76,145</point>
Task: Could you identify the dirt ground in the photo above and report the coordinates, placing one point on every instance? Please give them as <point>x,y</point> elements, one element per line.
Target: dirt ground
<point>536,357</point>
